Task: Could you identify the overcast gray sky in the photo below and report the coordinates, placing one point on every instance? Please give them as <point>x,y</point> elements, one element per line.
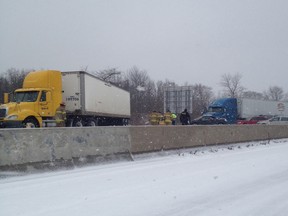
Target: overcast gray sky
<point>193,41</point>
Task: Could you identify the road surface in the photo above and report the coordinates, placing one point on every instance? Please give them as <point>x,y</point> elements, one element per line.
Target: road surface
<point>247,179</point>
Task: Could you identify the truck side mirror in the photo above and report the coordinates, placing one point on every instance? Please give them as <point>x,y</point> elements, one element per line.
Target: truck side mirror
<point>6,98</point>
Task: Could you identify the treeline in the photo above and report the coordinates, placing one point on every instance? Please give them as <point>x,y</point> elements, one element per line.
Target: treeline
<point>232,87</point>
<point>11,80</point>
<point>148,95</point>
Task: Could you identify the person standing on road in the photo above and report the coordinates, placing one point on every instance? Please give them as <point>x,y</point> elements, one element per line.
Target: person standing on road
<point>168,118</point>
<point>60,116</point>
<point>173,116</point>
<point>185,117</point>
<point>161,118</point>
<point>153,118</point>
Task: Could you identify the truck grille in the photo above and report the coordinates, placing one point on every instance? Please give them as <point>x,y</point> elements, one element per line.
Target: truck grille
<point>2,113</point>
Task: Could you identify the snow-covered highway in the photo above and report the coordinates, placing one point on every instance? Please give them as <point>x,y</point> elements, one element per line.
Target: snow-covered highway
<point>247,179</point>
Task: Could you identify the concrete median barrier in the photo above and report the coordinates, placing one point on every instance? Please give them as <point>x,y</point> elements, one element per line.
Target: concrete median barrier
<point>28,146</point>
<point>50,145</point>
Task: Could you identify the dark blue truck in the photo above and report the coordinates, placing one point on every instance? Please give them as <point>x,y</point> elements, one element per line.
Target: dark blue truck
<point>233,109</point>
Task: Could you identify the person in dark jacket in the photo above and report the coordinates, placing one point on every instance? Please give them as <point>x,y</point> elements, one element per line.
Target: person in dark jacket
<point>185,117</point>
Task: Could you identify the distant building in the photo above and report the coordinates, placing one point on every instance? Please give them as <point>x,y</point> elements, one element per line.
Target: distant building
<point>178,98</point>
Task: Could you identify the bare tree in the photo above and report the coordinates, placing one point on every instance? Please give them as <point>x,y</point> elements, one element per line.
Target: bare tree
<point>109,75</point>
<point>159,97</point>
<point>3,88</point>
<point>202,97</point>
<point>143,91</point>
<point>253,95</point>
<point>113,76</point>
<point>286,97</point>
<point>11,80</point>
<point>232,85</point>
<point>15,78</point>
<point>274,93</point>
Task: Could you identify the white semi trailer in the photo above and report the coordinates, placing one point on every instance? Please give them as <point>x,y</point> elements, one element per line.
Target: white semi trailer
<point>233,109</point>
<point>89,101</point>
<point>248,108</point>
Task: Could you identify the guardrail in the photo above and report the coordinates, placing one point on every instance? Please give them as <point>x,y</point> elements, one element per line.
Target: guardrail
<point>51,146</point>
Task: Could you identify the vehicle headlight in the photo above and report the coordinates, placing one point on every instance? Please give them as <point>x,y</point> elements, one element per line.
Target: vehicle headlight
<point>12,117</point>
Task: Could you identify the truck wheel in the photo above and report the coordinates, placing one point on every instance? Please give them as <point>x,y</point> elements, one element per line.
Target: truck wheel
<point>31,123</point>
<point>77,123</point>
<point>92,123</point>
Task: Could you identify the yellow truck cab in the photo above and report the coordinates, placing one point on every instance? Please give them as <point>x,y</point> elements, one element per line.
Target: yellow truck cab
<point>36,103</point>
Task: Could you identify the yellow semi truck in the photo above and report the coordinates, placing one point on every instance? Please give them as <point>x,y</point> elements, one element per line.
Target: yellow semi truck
<point>53,98</point>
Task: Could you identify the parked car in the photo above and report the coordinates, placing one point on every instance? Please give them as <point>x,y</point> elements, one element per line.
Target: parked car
<point>277,120</point>
<point>254,119</point>
<point>208,120</point>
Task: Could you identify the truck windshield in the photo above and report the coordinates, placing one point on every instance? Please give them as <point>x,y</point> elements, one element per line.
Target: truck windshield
<point>215,109</point>
<point>29,96</point>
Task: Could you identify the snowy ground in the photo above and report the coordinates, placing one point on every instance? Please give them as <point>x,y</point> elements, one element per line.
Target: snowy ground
<point>249,179</point>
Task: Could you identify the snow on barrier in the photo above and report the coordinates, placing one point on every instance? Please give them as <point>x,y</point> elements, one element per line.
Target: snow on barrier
<point>49,146</point>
